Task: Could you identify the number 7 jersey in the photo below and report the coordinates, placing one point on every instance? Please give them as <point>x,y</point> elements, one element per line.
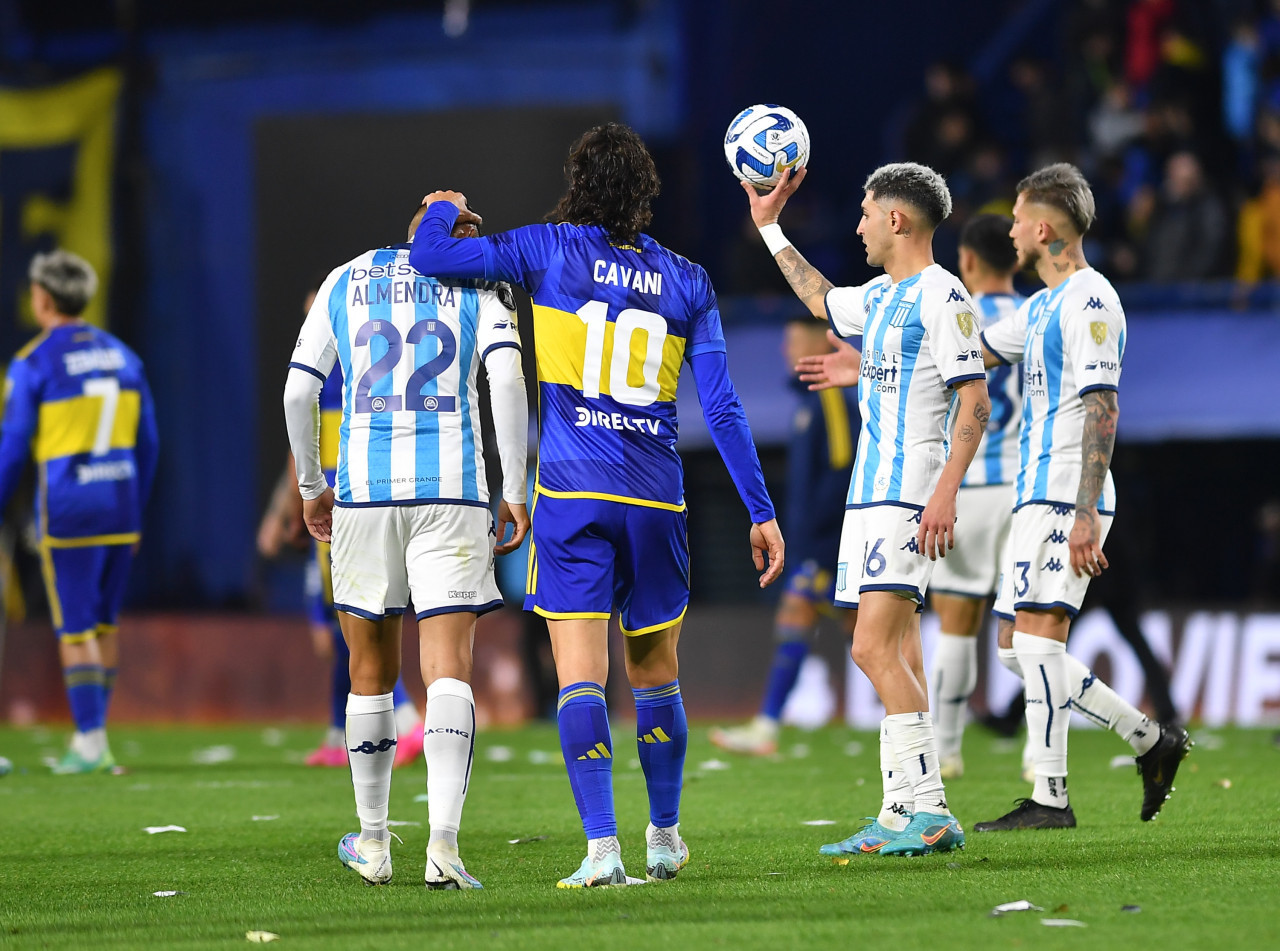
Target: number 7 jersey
<point>409,347</point>
<point>612,326</point>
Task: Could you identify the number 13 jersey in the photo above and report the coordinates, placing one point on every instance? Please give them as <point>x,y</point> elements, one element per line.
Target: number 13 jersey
<point>409,347</point>
<point>612,326</point>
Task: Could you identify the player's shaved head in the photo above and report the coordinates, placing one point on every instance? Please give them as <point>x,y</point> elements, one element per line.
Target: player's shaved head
<point>987,236</point>
<point>68,278</point>
<point>1064,188</point>
<point>911,184</point>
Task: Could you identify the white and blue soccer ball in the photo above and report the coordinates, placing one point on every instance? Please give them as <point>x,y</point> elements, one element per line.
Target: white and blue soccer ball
<point>764,141</point>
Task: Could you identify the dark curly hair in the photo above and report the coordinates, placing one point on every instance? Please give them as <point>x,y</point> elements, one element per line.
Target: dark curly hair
<point>612,179</point>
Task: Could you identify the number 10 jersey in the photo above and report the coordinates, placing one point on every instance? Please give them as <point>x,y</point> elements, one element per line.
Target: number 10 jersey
<point>409,347</point>
<point>612,325</point>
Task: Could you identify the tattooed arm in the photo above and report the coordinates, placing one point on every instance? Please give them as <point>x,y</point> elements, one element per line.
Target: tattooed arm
<point>938,521</point>
<point>808,283</point>
<point>1102,411</point>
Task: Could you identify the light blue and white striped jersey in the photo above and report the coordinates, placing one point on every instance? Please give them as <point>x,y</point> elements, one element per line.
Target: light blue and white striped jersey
<point>409,347</point>
<point>997,459</point>
<point>1071,341</point>
<point>919,337</point>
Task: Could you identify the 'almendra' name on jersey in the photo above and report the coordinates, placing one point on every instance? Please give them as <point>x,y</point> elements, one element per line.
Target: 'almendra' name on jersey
<point>919,337</point>
<point>1071,341</point>
<point>408,347</point>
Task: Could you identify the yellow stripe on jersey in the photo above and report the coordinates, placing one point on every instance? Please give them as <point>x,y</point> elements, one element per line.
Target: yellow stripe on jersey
<point>330,425</point>
<point>69,427</point>
<point>31,345</point>
<point>839,436</point>
<point>88,541</point>
<point>561,340</point>
<point>606,497</point>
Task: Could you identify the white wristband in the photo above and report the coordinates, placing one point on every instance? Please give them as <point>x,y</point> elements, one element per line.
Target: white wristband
<point>774,239</point>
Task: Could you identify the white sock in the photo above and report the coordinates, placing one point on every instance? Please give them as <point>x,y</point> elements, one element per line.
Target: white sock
<point>955,674</point>
<point>90,745</point>
<point>407,718</point>
<point>1009,657</point>
<point>334,737</point>
<point>371,749</point>
<point>917,751</point>
<point>899,798</point>
<point>1044,669</point>
<point>1094,699</point>
<point>449,740</point>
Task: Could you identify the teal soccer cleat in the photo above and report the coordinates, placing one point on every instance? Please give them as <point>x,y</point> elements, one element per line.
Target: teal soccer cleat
<point>666,853</point>
<point>928,832</point>
<point>601,868</point>
<point>868,840</point>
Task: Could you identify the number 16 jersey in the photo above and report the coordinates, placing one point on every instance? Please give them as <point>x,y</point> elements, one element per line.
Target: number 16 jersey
<point>409,347</point>
<point>612,325</point>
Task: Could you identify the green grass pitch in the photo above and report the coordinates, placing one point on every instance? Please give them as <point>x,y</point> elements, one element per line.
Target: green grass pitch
<point>79,871</point>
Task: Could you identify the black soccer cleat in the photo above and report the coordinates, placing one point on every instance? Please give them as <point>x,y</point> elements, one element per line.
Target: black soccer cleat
<point>1030,814</point>
<point>1158,765</point>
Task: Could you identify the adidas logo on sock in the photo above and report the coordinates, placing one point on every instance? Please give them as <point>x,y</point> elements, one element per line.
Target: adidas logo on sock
<point>657,736</point>
<point>599,751</point>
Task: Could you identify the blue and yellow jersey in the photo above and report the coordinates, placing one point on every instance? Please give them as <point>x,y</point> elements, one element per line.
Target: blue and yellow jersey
<point>331,424</point>
<point>824,434</point>
<point>612,326</point>
<point>77,402</point>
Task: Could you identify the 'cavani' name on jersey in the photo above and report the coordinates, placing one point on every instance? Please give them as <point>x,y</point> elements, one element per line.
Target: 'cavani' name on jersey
<point>633,278</point>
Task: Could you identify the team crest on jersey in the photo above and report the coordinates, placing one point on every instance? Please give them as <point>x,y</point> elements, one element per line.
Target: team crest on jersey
<point>841,574</point>
<point>965,321</point>
<point>1099,330</point>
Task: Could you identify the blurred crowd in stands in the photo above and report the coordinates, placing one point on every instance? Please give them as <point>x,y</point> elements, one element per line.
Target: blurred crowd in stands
<point>1171,107</point>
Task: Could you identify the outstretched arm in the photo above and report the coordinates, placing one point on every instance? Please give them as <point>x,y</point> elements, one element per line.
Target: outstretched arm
<point>1101,413</point>
<point>805,279</point>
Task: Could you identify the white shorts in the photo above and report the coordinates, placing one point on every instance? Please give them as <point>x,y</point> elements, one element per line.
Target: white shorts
<point>983,514</point>
<point>1037,571</point>
<point>437,554</point>
<point>879,552</point>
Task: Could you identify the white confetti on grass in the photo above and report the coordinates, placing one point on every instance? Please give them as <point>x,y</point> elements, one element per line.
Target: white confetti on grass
<point>1011,906</point>
<point>818,822</point>
<point>1063,923</point>
<point>154,830</point>
<point>713,765</point>
<point>272,737</point>
<point>211,755</point>
<point>498,754</point>
<point>260,937</point>
<point>853,748</point>
<point>265,818</point>
<point>167,894</point>
<point>1121,761</point>
<point>543,757</point>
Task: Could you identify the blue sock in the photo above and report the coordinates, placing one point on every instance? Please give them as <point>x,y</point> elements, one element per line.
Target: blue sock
<point>782,676</point>
<point>399,695</point>
<point>588,755</point>
<point>340,682</point>
<point>662,736</point>
<point>86,696</point>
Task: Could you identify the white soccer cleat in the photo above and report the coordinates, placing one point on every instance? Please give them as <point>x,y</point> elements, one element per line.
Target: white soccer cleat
<point>371,859</point>
<point>445,870</point>
<point>602,868</point>
<point>667,853</point>
<point>951,767</point>
<point>757,738</point>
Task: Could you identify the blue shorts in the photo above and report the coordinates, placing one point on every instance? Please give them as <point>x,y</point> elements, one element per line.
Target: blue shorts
<point>590,556</point>
<point>86,588</point>
<point>809,580</point>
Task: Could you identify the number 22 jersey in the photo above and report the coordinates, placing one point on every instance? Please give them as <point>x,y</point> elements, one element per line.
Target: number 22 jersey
<point>409,347</point>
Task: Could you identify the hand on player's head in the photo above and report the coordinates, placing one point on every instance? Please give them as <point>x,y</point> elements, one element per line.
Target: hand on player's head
<point>457,198</point>
<point>467,224</point>
<point>765,207</point>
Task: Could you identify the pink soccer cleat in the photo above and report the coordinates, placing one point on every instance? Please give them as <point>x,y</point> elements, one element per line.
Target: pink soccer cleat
<point>408,747</point>
<point>328,756</point>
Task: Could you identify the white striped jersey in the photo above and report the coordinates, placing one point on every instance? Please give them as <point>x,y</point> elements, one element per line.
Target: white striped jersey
<point>409,347</point>
<point>1071,341</point>
<point>997,459</point>
<point>919,337</point>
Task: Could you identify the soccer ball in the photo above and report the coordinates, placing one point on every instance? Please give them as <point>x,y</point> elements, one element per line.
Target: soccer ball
<point>763,142</point>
